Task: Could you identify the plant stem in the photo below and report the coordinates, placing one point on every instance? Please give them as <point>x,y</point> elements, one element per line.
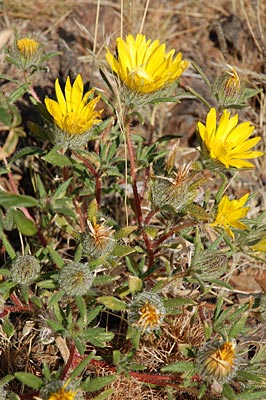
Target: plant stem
<point>136,194</point>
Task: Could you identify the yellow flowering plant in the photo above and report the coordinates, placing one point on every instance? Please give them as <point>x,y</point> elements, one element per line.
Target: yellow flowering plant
<point>227,142</point>
<point>229,214</point>
<point>73,112</point>
<point>121,243</point>
<point>144,67</point>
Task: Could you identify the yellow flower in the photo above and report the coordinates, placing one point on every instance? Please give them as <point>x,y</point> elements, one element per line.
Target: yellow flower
<point>260,246</point>
<point>144,66</point>
<point>71,112</point>
<point>27,47</point>
<point>221,361</point>
<point>63,394</point>
<point>230,212</point>
<point>227,142</point>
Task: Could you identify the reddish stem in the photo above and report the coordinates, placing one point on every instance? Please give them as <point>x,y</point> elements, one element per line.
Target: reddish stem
<point>95,174</point>
<point>136,195</point>
<point>70,361</point>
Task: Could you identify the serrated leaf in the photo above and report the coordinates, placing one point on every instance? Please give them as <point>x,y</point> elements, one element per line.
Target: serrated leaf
<point>122,250</point>
<point>93,385</point>
<point>112,302</point>
<point>26,151</point>
<point>29,379</point>
<point>16,200</point>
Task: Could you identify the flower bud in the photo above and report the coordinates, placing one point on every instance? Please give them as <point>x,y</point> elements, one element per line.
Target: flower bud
<point>25,269</point>
<point>75,279</point>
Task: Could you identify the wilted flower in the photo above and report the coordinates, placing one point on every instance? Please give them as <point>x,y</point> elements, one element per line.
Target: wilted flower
<point>99,240</point>
<point>144,66</point>
<point>227,142</point>
<point>75,278</point>
<point>230,212</point>
<point>73,113</point>
<point>146,312</point>
<point>25,269</point>
<point>175,192</point>
<point>228,88</point>
<point>218,361</point>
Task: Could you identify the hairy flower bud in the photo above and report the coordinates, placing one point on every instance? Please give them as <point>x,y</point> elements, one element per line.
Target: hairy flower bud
<point>25,269</point>
<point>75,279</point>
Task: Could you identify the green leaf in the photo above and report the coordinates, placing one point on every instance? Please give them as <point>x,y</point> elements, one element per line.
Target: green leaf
<point>228,392</point>
<point>29,379</point>
<point>56,257</point>
<point>125,232</point>
<point>93,385</point>
<point>105,395</point>
<point>121,250</point>
<point>93,313</point>
<point>62,189</point>
<point>252,395</point>
<point>57,159</point>
<point>248,376</point>
<point>18,92</point>
<point>183,366</point>
<point>25,226</point>
<point>16,200</point>
<point>81,306</point>
<point>8,328</point>
<point>11,252</point>
<point>82,365</point>
<point>26,151</point>
<point>238,327</point>
<point>98,336</point>
<point>112,302</point>
<point>172,304</point>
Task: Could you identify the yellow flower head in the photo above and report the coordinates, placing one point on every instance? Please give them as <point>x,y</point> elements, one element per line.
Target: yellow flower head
<point>144,66</point>
<point>27,47</point>
<point>63,394</point>
<point>227,142</point>
<point>71,112</point>
<point>220,362</point>
<point>230,212</point>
